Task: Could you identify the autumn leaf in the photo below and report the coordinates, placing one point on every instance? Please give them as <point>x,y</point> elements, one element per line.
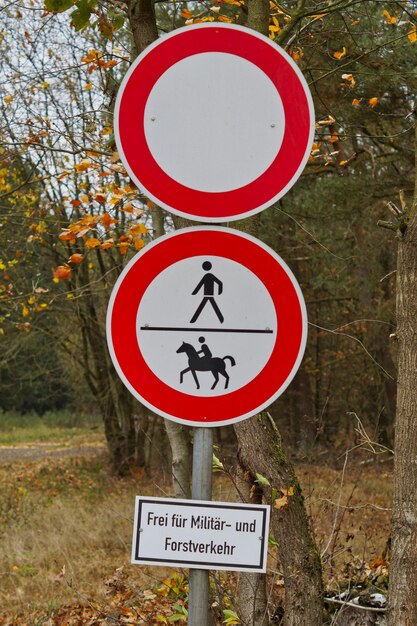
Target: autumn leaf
<point>186,14</point>
<point>92,242</point>
<point>373,102</point>
<point>355,102</point>
<point>83,165</point>
<point>76,258</point>
<point>412,35</point>
<point>107,220</point>
<point>282,502</point>
<point>123,246</point>
<point>67,235</point>
<point>350,79</point>
<point>138,243</point>
<point>8,99</point>
<point>108,243</point>
<point>100,197</point>
<point>138,229</point>
<point>341,54</point>
<point>88,86</point>
<point>62,272</point>
<point>390,19</point>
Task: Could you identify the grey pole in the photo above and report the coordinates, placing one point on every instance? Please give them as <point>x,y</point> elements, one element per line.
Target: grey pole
<point>201,490</point>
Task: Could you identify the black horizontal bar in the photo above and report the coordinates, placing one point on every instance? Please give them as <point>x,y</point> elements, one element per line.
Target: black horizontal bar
<point>209,330</point>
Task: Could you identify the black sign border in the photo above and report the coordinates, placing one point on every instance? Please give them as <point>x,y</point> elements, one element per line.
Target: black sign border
<point>187,562</point>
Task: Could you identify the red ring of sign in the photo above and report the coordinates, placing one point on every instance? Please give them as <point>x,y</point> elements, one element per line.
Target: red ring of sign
<point>130,132</point>
<point>198,410</point>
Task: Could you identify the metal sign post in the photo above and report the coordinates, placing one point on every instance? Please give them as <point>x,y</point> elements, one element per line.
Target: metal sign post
<point>201,490</point>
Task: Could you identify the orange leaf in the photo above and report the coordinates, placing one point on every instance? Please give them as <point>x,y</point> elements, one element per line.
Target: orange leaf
<point>340,55</point>
<point>107,244</point>
<point>75,203</point>
<point>186,14</point>
<point>62,272</point>
<point>67,235</point>
<point>373,102</point>
<point>412,35</point>
<point>389,18</point>
<point>355,102</point>
<point>76,258</point>
<point>107,220</point>
<point>100,197</point>
<point>92,242</point>
<point>123,247</point>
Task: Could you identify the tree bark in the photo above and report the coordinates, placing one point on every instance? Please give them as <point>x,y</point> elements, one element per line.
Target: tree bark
<point>251,592</point>
<point>260,452</point>
<point>142,22</point>
<point>403,573</point>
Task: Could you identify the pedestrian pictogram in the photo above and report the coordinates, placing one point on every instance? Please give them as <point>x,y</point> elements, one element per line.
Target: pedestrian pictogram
<point>223,358</point>
<point>214,122</point>
<point>207,284</point>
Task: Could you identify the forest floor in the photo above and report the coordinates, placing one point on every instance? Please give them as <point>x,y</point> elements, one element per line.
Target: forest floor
<point>66,525</point>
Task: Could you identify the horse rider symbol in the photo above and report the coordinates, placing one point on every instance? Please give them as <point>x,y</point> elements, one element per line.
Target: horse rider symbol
<point>205,363</point>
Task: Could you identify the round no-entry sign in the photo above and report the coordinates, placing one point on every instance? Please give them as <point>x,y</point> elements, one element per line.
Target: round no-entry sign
<point>214,122</point>
<point>206,326</point>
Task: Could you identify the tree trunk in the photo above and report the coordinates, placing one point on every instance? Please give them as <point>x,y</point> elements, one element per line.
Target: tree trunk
<point>252,597</point>
<point>403,574</point>
<point>181,458</point>
<point>260,452</point>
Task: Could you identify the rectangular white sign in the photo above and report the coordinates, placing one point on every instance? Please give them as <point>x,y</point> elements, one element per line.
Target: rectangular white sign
<point>200,534</point>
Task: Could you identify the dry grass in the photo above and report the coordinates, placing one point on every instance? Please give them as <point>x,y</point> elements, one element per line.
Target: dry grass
<point>66,526</point>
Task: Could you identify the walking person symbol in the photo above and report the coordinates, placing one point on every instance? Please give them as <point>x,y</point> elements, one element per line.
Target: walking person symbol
<point>208,283</point>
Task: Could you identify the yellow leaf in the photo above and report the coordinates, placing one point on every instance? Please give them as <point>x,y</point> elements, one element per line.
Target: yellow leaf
<point>88,86</point>
<point>340,55</point>
<point>25,310</point>
<point>412,35</point>
<point>328,120</point>
<point>373,102</point>
<point>389,18</point>
<point>92,242</point>
<point>138,229</point>
<point>8,99</point>
<point>342,162</point>
<point>138,243</point>
<point>281,503</point>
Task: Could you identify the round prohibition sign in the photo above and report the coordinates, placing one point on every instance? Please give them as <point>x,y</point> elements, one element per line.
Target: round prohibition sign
<point>214,122</point>
<point>206,326</point>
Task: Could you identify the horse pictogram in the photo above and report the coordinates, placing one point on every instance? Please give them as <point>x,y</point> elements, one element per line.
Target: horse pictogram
<point>205,363</point>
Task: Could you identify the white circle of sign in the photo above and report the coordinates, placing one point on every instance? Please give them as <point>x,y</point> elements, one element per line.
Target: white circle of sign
<point>171,291</point>
<point>225,111</point>
<point>214,122</point>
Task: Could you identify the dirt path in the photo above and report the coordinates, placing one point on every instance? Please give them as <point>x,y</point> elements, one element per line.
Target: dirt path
<point>35,451</point>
